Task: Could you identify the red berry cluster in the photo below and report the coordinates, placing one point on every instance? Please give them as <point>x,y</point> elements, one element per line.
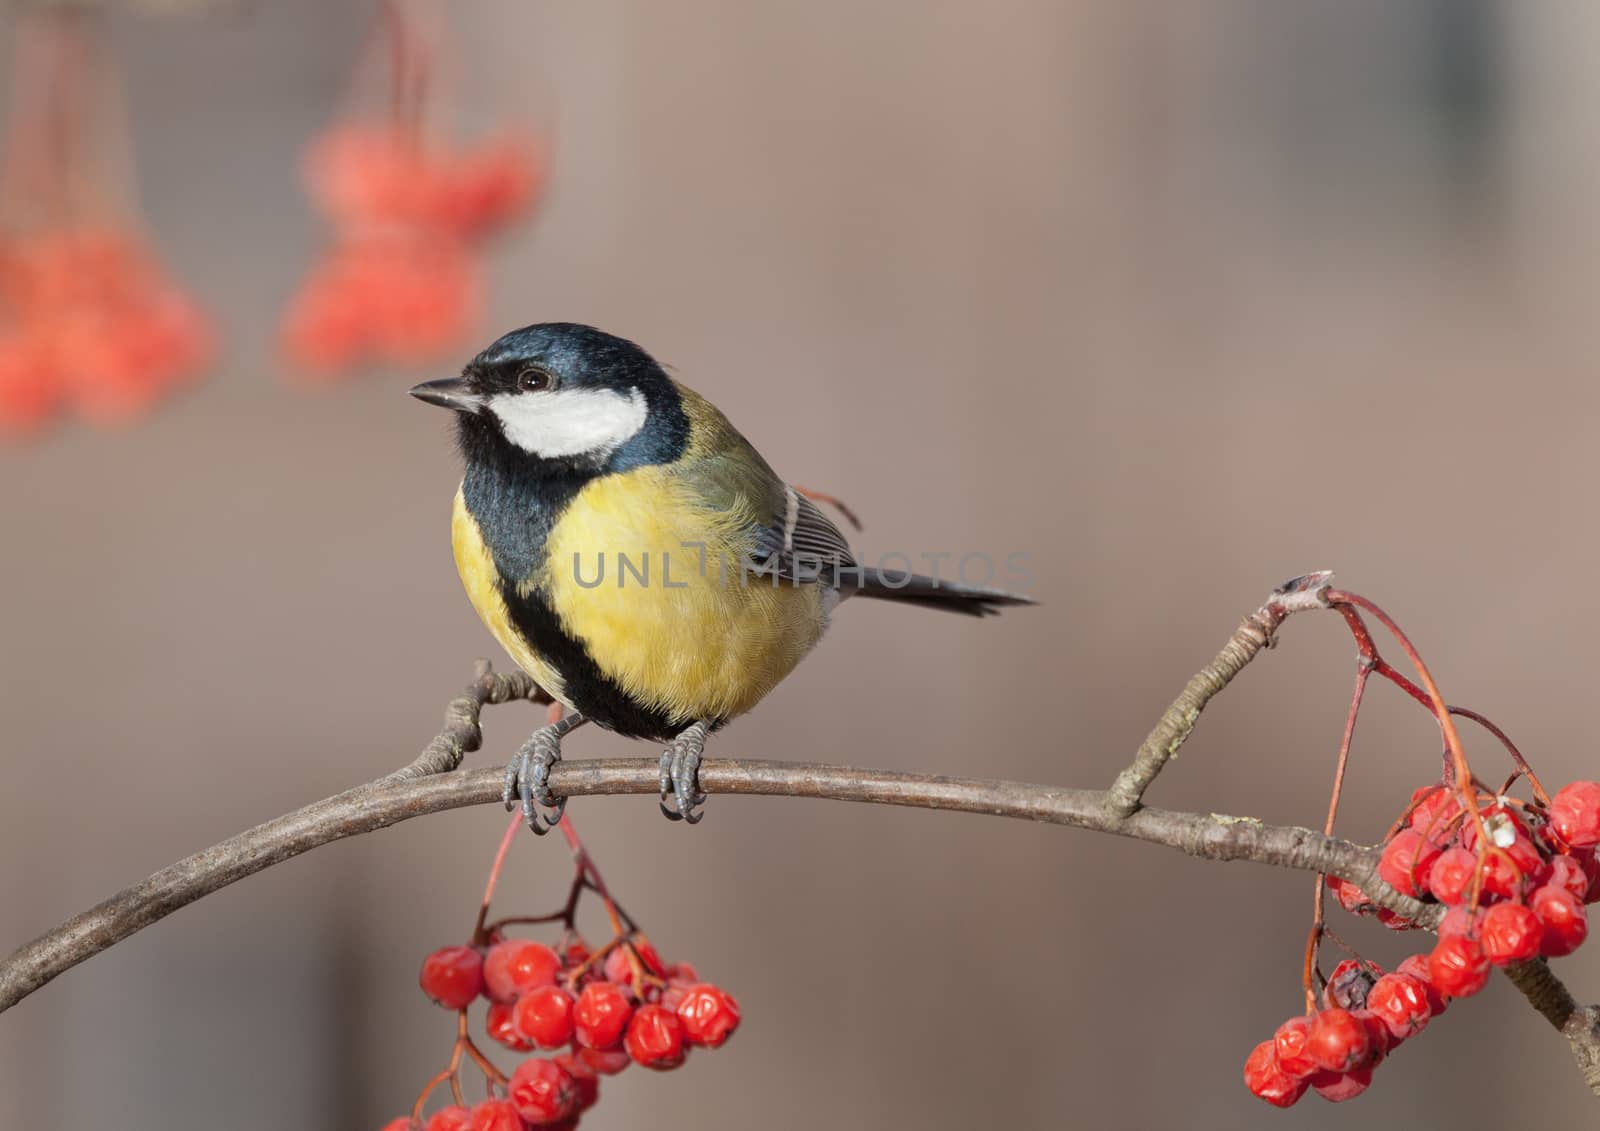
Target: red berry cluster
<point>401,282</point>
<point>89,321</point>
<point>1516,880</point>
<point>92,323</point>
<point>589,1012</point>
<point>597,1012</point>
<point>398,296</point>
<point>1365,1014</point>
<point>385,177</point>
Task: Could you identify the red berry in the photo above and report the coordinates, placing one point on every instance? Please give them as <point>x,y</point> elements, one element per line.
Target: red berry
<point>1434,805</point>
<point>682,972</point>
<point>544,1016</point>
<point>607,1062</point>
<point>584,1076</point>
<point>1417,966</point>
<point>401,1124</point>
<point>1401,1001</point>
<point>619,969</point>
<point>1458,966</point>
<point>496,1115</point>
<point>1336,1087</point>
<point>655,1038</point>
<point>1530,860</point>
<point>450,1119</point>
<point>1565,872</point>
<point>515,966</point>
<point>1265,1079</point>
<point>601,1015</point>
<point>1459,922</point>
<point>1379,1039</point>
<point>1575,813</point>
<point>1522,861</point>
<point>1338,1041</point>
<point>501,1026</point>
<point>1406,861</point>
<point>1348,985</point>
<point>709,1015</point>
<point>1350,897</point>
<point>1290,1043</point>
<point>1509,933</point>
<point>1566,922</point>
<point>1589,860</point>
<point>1451,875</point>
<point>453,976</point>
<point>543,1091</point>
<point>1389,920</point>
<point>1501,878</point>
<point>650,957</point>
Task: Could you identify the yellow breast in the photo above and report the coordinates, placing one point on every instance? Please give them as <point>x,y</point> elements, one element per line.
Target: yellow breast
<point>652,585</point>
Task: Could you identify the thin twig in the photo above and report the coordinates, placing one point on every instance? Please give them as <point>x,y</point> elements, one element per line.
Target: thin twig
<point>1178,721</point>
<point>463,732</point>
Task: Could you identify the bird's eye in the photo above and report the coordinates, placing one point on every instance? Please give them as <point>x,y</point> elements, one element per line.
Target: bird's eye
<point>532,379</point>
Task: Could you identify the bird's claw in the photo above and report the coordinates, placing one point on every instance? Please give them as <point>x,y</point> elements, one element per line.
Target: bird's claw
<point>680,770</point>
<point>528,779</point>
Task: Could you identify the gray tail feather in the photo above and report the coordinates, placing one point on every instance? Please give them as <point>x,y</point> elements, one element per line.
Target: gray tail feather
<point>915,589</point>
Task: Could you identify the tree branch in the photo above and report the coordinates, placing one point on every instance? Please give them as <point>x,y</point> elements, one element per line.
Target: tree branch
<point>1178,721</point>
<point>1580,1024</point>
<point>387,802</point>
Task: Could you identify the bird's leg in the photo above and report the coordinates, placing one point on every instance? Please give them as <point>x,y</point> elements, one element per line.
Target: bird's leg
<point>528,774</point>
<point>680,768</point>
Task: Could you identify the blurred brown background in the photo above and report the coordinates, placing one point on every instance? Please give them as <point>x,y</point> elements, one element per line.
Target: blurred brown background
<point>1178,299</point>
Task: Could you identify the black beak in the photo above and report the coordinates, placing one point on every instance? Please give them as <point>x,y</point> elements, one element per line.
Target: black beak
<point>449,392</point>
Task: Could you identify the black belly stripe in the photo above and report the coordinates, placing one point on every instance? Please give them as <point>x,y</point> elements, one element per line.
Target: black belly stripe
<point>587,688</point>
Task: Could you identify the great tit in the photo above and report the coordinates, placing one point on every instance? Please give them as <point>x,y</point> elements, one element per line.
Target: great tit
<point>635,554</point>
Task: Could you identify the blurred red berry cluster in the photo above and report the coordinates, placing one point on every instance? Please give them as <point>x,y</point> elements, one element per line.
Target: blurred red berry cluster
<point>400,282</point>
<point>93,325</point>
<point>89,321</point>
<point>574,1013</point>
<point>383,176</point>
<point>1516,880</point>
<point>401,297</point>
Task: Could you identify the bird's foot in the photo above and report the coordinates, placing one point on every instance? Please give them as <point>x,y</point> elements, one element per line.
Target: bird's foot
<point>680,774</point>
<point>528,775</point>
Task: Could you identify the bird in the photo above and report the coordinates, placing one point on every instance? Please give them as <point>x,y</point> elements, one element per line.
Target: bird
<point>580,450</point>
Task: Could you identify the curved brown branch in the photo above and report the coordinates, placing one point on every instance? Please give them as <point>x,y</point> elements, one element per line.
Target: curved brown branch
<point>1580,1024</point>
<point>384,803</point>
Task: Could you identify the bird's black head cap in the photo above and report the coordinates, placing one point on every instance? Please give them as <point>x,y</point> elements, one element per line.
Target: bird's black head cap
<point>530,397</point>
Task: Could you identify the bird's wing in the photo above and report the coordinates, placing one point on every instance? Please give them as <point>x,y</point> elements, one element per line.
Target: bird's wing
<point>787,534</point>
<point>803,544</point>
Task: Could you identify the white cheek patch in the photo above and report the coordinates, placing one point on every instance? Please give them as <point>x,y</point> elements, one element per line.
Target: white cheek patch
<point>570,422</point>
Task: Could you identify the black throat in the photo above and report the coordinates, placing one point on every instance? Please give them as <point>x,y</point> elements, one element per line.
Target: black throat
<point>517,497</point>
<point>516,501</point>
